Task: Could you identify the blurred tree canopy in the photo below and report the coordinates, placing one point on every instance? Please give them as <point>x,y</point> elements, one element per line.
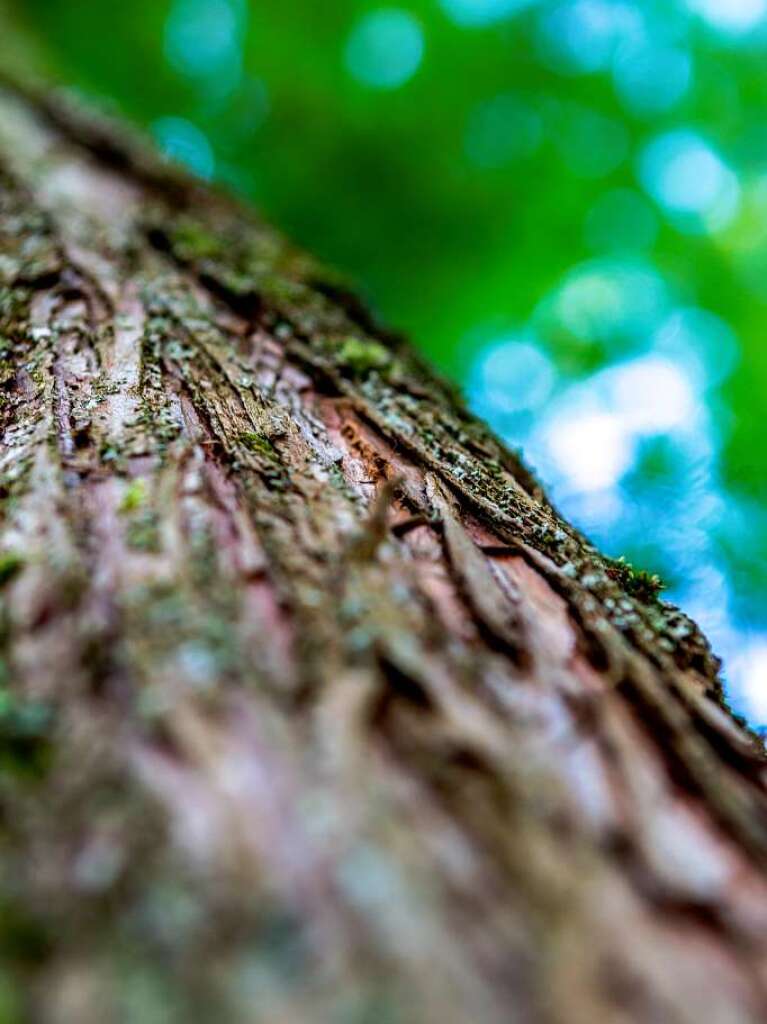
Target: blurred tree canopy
<point>563,201</point>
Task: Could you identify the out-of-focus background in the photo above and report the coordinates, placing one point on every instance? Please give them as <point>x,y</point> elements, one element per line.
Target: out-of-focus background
<point>563,201</point>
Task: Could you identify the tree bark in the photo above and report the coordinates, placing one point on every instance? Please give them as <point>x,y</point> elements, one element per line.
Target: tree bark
<point>312,706</point>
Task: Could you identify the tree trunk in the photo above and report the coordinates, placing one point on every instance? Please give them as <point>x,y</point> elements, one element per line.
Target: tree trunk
<point>312,707</point>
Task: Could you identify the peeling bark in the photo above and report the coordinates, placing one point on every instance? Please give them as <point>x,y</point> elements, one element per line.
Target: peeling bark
<point>312,707</point>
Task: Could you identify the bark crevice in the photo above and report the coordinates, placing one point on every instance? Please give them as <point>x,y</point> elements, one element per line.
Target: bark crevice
<point>311,705</point>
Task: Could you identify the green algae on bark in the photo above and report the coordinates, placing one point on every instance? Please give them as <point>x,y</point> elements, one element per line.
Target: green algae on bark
<point>313,707</point>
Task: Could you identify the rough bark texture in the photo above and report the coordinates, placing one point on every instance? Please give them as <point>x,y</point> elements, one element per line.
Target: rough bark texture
<point>312,708</point>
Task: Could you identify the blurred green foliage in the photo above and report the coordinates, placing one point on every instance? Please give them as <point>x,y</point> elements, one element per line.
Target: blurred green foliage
<point>563,201</point>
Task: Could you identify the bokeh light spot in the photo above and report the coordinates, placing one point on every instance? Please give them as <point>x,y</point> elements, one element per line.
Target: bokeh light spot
<point>202,37</point>
<point>513,376</point>
<point>608,300</point>
<point>590,450</point>
<point>650,395</point>
<point>730,15</point>
<point>651,79</point>
<point>686,176</point>
<point>182,141</point>
<point>748,675</point>
<point>385,48</point>
<point>501,130</point>
<point>579,36</point>
<point>700,340</point>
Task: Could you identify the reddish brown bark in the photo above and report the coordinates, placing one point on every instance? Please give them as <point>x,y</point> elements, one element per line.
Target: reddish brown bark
<point>313,709</point>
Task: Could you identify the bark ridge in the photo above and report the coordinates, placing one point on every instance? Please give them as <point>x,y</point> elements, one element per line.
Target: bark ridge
<point>312,708</point>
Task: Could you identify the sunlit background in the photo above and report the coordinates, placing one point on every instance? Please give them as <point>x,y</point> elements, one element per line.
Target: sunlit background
<point>563,201</point>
